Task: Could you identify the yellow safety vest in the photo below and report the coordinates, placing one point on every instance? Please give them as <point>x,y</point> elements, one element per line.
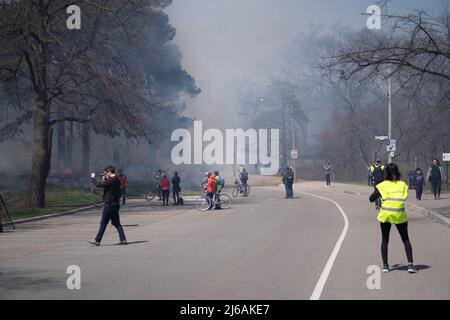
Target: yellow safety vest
<point>372,168</point>
<point>393,196</point>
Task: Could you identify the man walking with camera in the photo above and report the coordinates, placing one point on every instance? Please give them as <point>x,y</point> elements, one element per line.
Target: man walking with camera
<point>111,198</point>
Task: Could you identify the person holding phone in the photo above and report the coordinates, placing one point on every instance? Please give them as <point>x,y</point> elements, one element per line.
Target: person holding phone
<point>111,197</point>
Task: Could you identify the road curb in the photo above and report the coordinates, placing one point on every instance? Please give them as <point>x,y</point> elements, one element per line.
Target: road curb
<point>433,215</point>
<point>53,215</point>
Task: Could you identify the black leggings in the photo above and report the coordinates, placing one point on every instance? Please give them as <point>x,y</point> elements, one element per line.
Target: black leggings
<point>436,184</point>
<point>403,230</point>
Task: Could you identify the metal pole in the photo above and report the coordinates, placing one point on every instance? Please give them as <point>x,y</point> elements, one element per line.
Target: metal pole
<point>389,115</point>
<point>3,204</point>
<point>447,176</point>
<point>283,135</point>
<point>293,145</point>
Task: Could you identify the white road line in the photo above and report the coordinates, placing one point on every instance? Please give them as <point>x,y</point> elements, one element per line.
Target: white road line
<point>326,271</point>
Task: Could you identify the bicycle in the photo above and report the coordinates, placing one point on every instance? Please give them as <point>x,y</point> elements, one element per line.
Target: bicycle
<point>152,194</point>
<point>239,189</point>
<point>205,203</point>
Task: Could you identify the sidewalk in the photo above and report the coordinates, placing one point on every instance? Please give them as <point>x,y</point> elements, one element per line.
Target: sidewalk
<point>438,210</point>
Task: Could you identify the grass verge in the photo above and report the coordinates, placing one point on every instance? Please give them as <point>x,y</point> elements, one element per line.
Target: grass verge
<point>58,199</point>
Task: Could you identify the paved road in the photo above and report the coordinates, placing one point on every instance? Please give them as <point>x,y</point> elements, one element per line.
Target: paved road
<point>265,247</point>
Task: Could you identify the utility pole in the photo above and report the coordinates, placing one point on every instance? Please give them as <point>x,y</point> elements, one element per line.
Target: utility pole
<point>293,144</point>
<point>389,115</point>
<point>283,134</point>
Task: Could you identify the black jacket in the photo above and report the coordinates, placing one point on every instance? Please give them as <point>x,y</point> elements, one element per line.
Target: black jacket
<point>111,189</point>
<point>176,184</point>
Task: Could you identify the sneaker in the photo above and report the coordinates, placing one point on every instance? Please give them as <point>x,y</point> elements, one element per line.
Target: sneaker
<point>412,269</point>
<point>123,243</point>
<point>386,268</point>
<point>94,242</point>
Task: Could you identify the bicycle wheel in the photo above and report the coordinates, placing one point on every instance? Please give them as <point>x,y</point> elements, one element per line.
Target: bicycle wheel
<point>236,191</point>
<point>203,203</point>
<point>225,201</point>
<point>150,196</point>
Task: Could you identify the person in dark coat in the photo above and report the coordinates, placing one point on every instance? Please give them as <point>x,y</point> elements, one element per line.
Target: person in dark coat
<point>111,198</point>
<point>176,189</point>
<point>436,177</point>
<point>419,182</point>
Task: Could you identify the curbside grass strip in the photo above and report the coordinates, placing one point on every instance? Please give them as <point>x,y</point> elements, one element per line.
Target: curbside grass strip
<point>52,215</point>
<point>433,215</point>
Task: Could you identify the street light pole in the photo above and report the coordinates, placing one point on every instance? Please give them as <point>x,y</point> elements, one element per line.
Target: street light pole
<point>293,145</point>
<point>389,115</point>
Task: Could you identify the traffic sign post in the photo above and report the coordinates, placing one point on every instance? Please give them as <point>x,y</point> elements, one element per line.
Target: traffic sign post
<point>446,159</point>
<point>294,154</point>
<point>391,145</point>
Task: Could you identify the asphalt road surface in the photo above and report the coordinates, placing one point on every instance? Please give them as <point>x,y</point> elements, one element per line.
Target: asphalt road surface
<point>318,245</point>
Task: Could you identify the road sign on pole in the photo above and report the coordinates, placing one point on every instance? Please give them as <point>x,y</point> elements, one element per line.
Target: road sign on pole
<point>294,154</point>
<point>446,158</point>
<point>391,145</point>
<point>381,138</point>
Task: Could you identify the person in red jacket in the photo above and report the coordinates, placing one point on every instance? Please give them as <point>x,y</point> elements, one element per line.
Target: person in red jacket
<point>165,187</point>
<point>123,185</point>
<point>211,188</point>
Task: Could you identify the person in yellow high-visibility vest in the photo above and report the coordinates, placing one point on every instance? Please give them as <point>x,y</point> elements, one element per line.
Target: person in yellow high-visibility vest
<point>393,194</point>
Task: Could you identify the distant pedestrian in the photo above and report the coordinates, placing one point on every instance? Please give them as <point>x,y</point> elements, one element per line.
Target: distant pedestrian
<point>436,176</point>
<point>419,182</point>
<point>243,176</point>
<point>123,185</point>
<point>327,169</point>
<point>411,176</point>
<point>369,174</point>
<point>111,198</point>
<point>211,188</point>
<point>220,184</point>
<point>165,189</point>
<point>288,181</point>
<point>158,178</point>
<point>377,170</point>
<point>393,193</point>
<point>176,189</point>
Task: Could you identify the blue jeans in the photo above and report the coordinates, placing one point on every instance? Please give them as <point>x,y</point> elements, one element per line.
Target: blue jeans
<point>110,212</point>
<point>244,187</point>
<point>328,179</point>
<point>419,190</point>
<point>289,190</point>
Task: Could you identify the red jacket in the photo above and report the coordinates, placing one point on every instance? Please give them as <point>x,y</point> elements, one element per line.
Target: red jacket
<point>211,187</point>
<point>165,184</point>
<point>123,181</point>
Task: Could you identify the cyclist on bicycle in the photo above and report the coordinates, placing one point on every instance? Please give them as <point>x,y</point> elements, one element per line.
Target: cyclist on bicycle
<point>211,188</point>
<point>243,176</point>
<point>220,183</point>
<point>158,179</point>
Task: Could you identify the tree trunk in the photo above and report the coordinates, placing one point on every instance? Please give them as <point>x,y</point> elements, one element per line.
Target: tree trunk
<point>61,142</point>
<point>116,152</point>
<point>86,149</point>
<point>41,159</point>
<point>69,147</point>
<point>42,145</point>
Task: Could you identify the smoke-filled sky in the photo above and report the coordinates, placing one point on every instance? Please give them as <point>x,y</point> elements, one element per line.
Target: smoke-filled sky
<point>226,40</point>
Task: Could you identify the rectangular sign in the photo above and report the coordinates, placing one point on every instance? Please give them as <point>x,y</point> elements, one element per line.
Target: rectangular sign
<point>391,145</point>
<point>446,157</point>
<point>294,154</point>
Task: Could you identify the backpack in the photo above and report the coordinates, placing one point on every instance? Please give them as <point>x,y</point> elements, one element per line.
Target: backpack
<point>180,201</point>
<point>378,174</point>
<point>222,182</point>
<point>290,179</point>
